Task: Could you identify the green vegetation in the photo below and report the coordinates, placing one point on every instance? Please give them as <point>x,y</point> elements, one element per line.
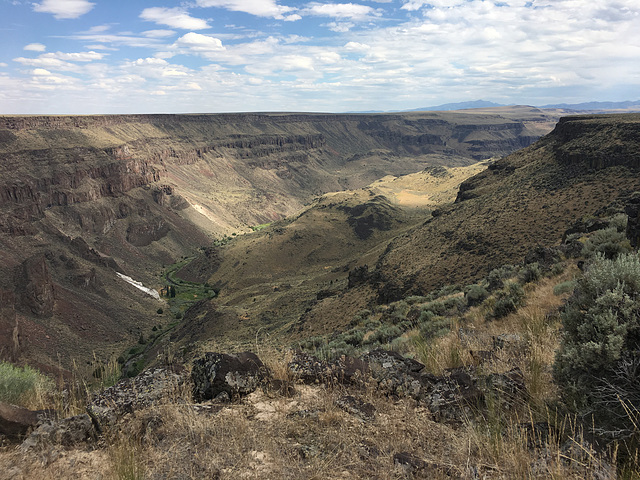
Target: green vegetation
<point>20,385</point>
<point>597,364</point>
<point>262,226</point>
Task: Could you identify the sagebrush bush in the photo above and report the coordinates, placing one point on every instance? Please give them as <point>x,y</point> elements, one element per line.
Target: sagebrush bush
<point>497,276</point>
<point>508,300</point>
<point>20,384</point>
<point>600,350</point>
<point>609,242</point>
<point>531,273</point>
<point>476,295</point>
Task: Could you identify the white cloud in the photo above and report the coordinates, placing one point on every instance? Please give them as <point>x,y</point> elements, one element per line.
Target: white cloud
<point>260,8</point>
<point>101,47</point>
<point>340,27</point>
<point>35,47</point>
<point>76,57</point>
<point>352,11</point>
<point>64,8</point>
<point>60,60</point>
<point>40,71</point>
<point>158,33</point>
<point>193,86</point>
<point>2,64</point>
<point>173,17</point>
<point>199,43</point>
<point>356,47</point>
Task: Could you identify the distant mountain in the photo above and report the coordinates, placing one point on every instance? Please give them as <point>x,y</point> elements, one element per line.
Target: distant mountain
<point>596,105</point>
<point>458,106</point>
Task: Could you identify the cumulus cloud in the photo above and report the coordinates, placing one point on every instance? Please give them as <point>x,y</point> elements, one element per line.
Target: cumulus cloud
<point>64,8</point>
<point>40,71</point>
<point>158,33</point>
<point>260,8</point>
<point>351,11</point>
<point>60,60</point>
<point>413,5</point>
<point>340,27</point>
<point>35,47</point>
<point>173,17</point>
<point>199,43</point>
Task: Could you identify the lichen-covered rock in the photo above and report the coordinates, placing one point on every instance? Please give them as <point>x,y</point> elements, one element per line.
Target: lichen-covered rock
<point>66,432</point>
<point>150,387</point>
<point>508,388</point>
<point>234,375</point>
<point>344,370</point>
<point>396,374</point>
<point>453,397</point>
<point>356,407</point>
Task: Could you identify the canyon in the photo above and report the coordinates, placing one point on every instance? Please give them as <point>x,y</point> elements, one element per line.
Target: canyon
<point>85,197</point>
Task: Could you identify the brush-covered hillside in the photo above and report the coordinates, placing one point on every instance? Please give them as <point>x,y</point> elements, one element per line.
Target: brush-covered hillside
<point>85,198</point>
<point>457,322</point>
<point>304,277</point>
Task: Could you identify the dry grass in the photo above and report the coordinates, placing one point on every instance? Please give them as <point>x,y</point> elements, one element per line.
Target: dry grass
<point>305,435</point>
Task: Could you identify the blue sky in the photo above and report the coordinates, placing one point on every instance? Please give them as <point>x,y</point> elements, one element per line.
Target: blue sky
<point>153,56</point>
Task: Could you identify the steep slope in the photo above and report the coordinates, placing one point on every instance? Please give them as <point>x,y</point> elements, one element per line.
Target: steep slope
<point>84,197</point>
<point>527,199</point>
<point>270,279</point>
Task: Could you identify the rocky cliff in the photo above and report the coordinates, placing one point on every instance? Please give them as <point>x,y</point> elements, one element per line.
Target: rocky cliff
<point>83,197</point>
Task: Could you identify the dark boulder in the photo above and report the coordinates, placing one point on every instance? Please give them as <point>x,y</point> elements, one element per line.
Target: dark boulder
<point>394,373</point>
<point>344,370</point>
<point>356,407</point>
<point>234,375</point>
<point>453,397</point>
<point>17,421</point>
<point>150,387</point>
<point>67,432</point>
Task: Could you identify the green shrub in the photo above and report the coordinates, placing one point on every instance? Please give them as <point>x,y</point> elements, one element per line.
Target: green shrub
<point>531,273</point>
<point>609,242</point>
<point>354,337</point>
<point>496,277</point>
<point>384,334</point>
<point>476,295</point>
<point>17,384</point>
<point>508,300</point>
<point>598,363</point>
<point>564,287</point>
<point>436,327</point>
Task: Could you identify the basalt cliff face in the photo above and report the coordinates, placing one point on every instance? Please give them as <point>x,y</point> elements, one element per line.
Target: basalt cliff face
<point>526,200</point>
<point>84,197</point>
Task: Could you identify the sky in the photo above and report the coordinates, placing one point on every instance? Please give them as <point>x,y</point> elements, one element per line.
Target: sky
<point>164,56</point>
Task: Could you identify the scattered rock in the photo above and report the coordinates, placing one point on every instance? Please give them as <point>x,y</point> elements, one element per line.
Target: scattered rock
<point>148,388</point>
<point>506,341</point>
<point>394,373</point>
<point>453,397</point>
<point>220,373</point>
<point>357,407</point>
<point>416,466</point>
<point>17,421</point>
<point>509,387</point>
<point>68,432</point>
<point>345,370</point>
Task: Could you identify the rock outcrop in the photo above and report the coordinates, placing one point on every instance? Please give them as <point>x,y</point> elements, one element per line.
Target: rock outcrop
<point>223,376</point>
<point>34,287</point>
